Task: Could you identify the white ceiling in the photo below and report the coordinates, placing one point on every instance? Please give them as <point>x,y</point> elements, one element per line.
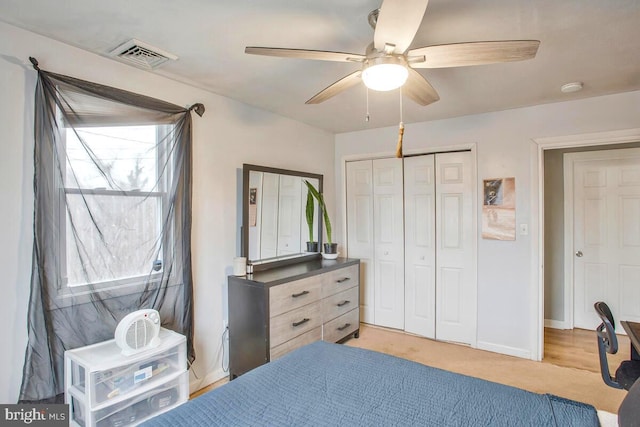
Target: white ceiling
<point>593,41</point>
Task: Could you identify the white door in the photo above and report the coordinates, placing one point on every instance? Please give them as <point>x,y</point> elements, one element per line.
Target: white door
<point>419,244</point>
<point>360,230</point>
<point>456,291</point>
<point>388,237</point>
<point>606,234</point>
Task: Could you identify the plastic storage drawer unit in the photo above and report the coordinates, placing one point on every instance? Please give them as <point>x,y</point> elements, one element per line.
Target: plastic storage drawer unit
<point>106,388</point>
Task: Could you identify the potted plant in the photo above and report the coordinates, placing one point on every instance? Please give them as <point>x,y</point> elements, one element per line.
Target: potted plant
<point>312,245</point>
<point>329,247</point>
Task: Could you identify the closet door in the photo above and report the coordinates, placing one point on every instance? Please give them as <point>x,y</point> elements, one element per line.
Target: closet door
<point>456,292</point>
<point>388,237</point>
<point>420,254</point>
<point>360,230</point>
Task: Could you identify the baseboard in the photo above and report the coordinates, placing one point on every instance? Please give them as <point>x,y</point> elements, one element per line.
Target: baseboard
<point>210,378</point>
<point>503,349</point>
<point>556,324</point>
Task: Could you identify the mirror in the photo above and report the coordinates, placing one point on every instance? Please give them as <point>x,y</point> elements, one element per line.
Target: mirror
<point>274,220</point>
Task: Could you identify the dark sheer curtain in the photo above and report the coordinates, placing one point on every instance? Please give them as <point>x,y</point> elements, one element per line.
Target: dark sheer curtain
<point>112,221</point>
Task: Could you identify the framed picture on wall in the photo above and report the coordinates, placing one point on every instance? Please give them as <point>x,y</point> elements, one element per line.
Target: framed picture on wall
<point>499,209</point>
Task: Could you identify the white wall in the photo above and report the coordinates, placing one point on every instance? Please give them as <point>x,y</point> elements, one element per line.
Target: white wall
<point>229,134</point>
<point>508,306</point>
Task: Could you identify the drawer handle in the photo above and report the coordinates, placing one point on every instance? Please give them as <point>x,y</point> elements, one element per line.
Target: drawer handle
<point>344,279</point>
<point>346,325</point>
<point>345,302</point>
<point>300,294</point>
<point>305,320</point>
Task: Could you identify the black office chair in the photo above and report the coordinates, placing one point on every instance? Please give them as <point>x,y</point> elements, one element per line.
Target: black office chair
<point>629,370</point>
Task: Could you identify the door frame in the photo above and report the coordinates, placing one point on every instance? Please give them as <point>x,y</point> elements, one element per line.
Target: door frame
<point>548,143</point>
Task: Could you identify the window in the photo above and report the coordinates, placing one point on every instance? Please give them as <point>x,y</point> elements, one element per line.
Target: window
<point>114,185</point>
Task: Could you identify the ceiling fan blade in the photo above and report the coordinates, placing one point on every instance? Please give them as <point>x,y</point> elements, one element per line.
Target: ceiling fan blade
<point>321,55</point>
<point>419,89</point>
<point>397,24</point>
<point>472,53</point>
<point>337,87</point>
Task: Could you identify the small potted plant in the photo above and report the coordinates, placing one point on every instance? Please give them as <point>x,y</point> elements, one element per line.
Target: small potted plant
<point>312,245</point>
<point>330,248</point>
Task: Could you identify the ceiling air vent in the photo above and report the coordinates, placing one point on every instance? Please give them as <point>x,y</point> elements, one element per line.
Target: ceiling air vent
<point>141,54</point>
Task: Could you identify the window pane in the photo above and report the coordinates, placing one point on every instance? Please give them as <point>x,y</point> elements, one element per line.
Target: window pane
<point>115,158</point>
<point>119,240</point>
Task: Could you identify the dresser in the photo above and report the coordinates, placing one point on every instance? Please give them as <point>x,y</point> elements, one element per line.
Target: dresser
<point>275,311</point>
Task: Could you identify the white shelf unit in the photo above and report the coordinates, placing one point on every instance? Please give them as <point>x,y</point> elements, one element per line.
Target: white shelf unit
<point>104,388</point>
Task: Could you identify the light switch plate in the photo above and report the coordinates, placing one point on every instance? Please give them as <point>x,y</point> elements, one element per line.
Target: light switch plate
<point>524,229</point>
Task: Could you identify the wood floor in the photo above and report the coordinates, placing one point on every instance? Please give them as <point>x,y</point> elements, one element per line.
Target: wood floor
<point>578,348</point>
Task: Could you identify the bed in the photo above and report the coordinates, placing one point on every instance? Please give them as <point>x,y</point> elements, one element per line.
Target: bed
<point>332,384</point>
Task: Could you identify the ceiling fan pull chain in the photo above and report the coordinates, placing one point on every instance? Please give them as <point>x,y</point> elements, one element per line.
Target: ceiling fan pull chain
<point>366,119</point>
<point>400,131</point>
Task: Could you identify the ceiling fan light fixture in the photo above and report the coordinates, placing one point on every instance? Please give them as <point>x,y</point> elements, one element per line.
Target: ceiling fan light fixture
<point>385,73</point>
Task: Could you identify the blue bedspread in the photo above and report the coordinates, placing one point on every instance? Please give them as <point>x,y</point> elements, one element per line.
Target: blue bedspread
<point>326,384</point>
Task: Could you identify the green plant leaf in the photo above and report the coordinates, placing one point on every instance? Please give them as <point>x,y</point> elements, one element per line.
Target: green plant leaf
<point>310,211</point>
<point>327,222</point>
<point>325,215</point>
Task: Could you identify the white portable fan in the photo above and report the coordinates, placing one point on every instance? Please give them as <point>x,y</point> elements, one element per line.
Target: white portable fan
<point>138,331</point>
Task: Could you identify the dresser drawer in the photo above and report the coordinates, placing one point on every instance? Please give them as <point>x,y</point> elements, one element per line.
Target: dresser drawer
<point>289,325</point>
<point>339,280</point>
<point>338,304</point>
<point>304,339</point>
<point>342,326</point>
<point>289,296</point>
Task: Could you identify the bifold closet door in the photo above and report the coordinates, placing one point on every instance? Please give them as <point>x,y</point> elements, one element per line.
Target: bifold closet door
<point>456,289</point>
<point>420,240</point>
<point>440,285</point>
<point>388,237</point>
<point>412,226</point>
<point>360,230</point>
<point>375,236</point>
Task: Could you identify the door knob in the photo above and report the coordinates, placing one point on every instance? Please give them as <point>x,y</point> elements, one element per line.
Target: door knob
<point>579,254</point>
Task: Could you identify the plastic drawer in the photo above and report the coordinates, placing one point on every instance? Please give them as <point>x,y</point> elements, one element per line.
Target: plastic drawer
<point>137,408</point>
<point>111,383</point>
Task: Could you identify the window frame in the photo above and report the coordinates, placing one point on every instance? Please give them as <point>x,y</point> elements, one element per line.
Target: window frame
<point>66,295</point>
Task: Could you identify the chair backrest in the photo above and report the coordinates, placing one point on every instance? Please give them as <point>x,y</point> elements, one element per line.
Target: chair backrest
<point>603,310</point>
<point>607,341</point>
<point>607,329</point>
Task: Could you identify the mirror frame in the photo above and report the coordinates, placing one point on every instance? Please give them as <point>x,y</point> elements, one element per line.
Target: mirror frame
<point>265,265</point>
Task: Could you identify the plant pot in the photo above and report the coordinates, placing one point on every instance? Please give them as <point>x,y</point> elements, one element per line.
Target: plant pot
<point>312,246</point>
<point>330,248</point>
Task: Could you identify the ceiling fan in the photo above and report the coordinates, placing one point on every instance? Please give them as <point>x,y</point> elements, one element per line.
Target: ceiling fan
<point>387,64</point>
